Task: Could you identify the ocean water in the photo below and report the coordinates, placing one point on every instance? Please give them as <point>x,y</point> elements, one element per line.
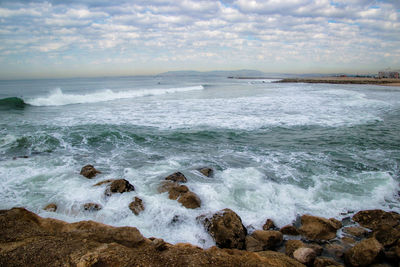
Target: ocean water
<point>278,150</point>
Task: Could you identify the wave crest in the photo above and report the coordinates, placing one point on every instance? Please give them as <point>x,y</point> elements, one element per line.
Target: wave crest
<point>11,103</point>
<point>58,98</point>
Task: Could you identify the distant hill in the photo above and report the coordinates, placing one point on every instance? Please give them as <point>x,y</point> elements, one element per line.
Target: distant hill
<point>227,73</point>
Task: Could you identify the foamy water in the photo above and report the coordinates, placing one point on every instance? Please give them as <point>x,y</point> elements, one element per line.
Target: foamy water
<point>278,151</point>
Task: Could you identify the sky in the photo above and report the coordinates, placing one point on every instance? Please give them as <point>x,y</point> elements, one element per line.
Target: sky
<point>45,39</point>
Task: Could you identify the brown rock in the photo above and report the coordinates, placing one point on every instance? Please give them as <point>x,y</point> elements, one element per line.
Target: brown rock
<point>269,225</point>
<point>136,206</point>
<point>348,240</point>
<point>277,259</point>
<point>317,248</point>
<point>261,240</point>
<point>176,191</point>
<point>355,231</point>
<point>119,186</point>
<point>92,207</point>
<point>89,171</point>
<point>177,177</point>
<point>51,207</point>
<point>373,218</point>
<point>324,262</point>
<point>104,182</point>
<point>386,234</point>
<point>364,253</point>
<point>159,244</point>
<point>289,230</point>
<point>318,228</point>
<point>227,229</point>
<point>335,250</point>
<point>206,171</point>
<point>305,255</point>
<point>292,245</point>
<point>190,200</point>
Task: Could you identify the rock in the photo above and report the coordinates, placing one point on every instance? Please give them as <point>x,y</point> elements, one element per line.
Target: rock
<point>317,248</point>
<point>325,262</point>
<point>305,255</point>
<point>289,230</point>
<point>159,244</point>
<point>386,234</point>
<point>277,259</point>
<point>92,207</point>
<point>355,231</point>
<point>373,218</point>
<point>177,191</point>
<point>364,253</point>
<point>226,229</point>
<point>206,171</point>
<point>136,206</point>
<point>292,245</point>
<point>348,240</point>
<point>177,177</point>
<point>318,228</point>
<point>261,240</point>
<point>190,200</point>
<point>119,186</point>
<point>104,182</point>
<point>269,225</point>
<point>89,171</point>
<point>335,250</point>
<point>51,207</point>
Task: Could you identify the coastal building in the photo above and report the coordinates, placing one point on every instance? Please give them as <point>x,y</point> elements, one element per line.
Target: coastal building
<point>388,74</point>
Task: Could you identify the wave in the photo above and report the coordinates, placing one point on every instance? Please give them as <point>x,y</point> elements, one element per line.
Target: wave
<point>12,103</point>
<point>58,98</point>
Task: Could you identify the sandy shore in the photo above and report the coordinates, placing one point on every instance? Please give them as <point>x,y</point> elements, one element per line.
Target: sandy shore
<point>343,80</point>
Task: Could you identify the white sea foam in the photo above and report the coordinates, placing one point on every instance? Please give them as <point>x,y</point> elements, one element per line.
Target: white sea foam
<point>59,98</point>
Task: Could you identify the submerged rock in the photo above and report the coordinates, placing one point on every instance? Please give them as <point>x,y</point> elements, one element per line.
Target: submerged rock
<point>318,228</point>
<point>92,207</point>
<point>206,171</point>
<point>136,206</point>
<point>177,177</point>
<point>89,171</point>
<point>119,186</point>
<point>226,229</point>
<point>355,231</point>
<point>51,207</point>
<point>364,253</point>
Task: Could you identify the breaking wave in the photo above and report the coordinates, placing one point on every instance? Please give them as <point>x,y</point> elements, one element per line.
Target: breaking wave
<point>11,103</point>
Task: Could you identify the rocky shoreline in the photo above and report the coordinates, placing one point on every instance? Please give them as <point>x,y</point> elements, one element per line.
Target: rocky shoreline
<point>343,80</point>
<point>369,238</point>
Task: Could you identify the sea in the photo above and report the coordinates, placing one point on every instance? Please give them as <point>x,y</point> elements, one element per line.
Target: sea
<point>278,150</point>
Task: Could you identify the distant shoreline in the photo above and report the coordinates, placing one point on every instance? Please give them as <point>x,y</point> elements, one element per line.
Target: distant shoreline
<point>343,80</point>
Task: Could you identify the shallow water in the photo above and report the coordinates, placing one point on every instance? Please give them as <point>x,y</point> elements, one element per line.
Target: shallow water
<point>278,150</point>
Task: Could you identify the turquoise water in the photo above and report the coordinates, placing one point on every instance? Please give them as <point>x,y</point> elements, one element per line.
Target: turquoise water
<point>278,150</point>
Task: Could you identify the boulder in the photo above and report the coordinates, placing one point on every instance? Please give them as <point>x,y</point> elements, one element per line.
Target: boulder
<point>318,228</point>
<point>373,218</point>
<point>335,250</point>
<point>177,177</point>
<point>226,228</point>
<point>355,231</point>
<point>119,186</point>
<point>159,244</point>
<point>364,253</point>
<point>276,259</point>
<point>292,245</point>
<point>136,206</point>
<point>190,200</point>
<point>89,171</point>
<point>92,207</point>
<point>51,207</point>
<point>289,230</point>
<point>104,182</point>
<point>325,262</point>
<point>261,240</point>
<point>269,225</point>
<point>206,171</point>
<point>386,234</point>
<point>305,255</point>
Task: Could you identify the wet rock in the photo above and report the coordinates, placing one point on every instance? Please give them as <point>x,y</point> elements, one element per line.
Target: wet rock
<point>305,255</point>
<point>335,250</point>
<point>206,171</point>
<point>92,207</point>
<point>51,207</point>
<point>159,244</point>
<point>177,191</point>
<point>119,186</point>
<point>89,171</point>
<point>348,240</point>
<point>318,228</point>
<point>190,200</point>
<point>364,253</point>
<point>104,182</point>
<point>177,177</point>
<point>325,262</point>
<point>269,225</point>
<point>136,206</point>
<point>261,240</point>
<point>317,248</point>
<point>355,231</point>
<point>292,245</point>
<point>289,230</point>
<point>277,259</point>
<point>373,218</point>
<point>226,229</point>
<point>386,234</point>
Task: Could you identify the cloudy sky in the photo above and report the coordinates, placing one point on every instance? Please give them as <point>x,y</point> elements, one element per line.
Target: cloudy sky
<point>102,37</point>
